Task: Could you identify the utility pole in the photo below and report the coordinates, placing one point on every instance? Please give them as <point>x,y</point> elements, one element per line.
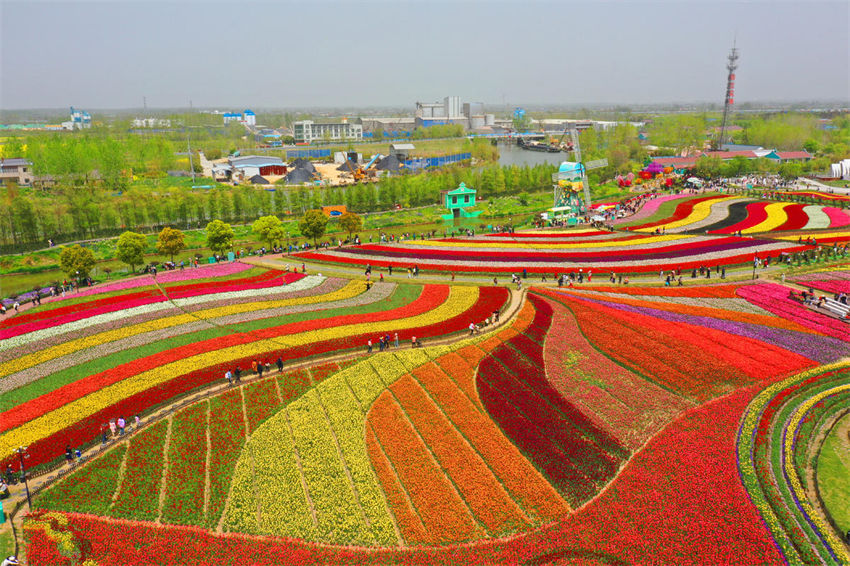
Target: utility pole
<point>731,66</point>
<point>189,149</point>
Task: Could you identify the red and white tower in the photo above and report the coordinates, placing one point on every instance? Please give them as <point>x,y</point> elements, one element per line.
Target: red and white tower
<point>731,65</point>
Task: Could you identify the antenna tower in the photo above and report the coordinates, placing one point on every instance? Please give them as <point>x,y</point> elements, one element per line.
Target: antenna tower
<point>731,66</point>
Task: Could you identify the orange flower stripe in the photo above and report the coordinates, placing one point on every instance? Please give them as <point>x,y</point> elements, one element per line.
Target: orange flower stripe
<point>480,489</point>
<point>443,513</point>
<point>521,480</point>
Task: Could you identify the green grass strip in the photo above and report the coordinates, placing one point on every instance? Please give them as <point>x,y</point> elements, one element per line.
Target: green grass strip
<point>833,478</point>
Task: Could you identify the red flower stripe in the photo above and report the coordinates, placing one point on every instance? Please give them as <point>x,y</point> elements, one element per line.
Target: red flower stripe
<point>138,497</point>
<point>227,436</point>
<point>525,484</point>
<point>721,291</point>
<point>294,383</point>
<point>320,373</point>
<point>628,407</point>
<point>444,514</point>
<point>797,218</point>
<point>756,214</point>
<point>187,460</point>
<point>487,499</point>
<point>260,402</point>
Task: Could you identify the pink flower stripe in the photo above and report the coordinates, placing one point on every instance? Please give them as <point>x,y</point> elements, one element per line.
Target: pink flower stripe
<point>202,272</point>
<point>628,407</point>
<point>266,280</point>
<point>774,298</point>
<point>649,208</point>
<point>568,236</point>
<point>838,218</point>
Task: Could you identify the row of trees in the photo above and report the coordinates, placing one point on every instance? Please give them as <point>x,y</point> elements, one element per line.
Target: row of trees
<point>27,221</point>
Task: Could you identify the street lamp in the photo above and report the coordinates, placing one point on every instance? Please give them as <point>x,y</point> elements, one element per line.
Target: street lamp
<point>22,454</point>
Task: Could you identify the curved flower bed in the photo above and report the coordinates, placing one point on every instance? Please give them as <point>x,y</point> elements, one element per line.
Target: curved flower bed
<point>78,408</point>
<point>644,253</point>
<point>772,450</point>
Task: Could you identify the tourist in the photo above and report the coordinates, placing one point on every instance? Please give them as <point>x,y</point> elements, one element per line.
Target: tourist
<point>396,339</point>
<point>112,428</point>
<point>121,423</point>
<point>369,346</point>
<point>279,364</point>
<point>237,374</point>
<point>137,422</point>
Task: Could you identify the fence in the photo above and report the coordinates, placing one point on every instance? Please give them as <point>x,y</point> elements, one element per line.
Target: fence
<point>296,153</point>
<point>425,162</point>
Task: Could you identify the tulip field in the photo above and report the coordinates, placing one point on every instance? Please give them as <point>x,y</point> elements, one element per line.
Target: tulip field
<point>596,251</point>
<point>70,366</point>
<point>723,214</point>
<point>595,423</point>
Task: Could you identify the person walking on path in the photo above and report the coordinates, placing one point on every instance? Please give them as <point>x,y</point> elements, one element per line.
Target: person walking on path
<point>369,346</point>
<point>254,366</point>
<point>237,374</point>
<point>279,364</point>
<point>229,377</point>
<point>396,339</point>
<point>137,422</point>
<point>112,427</point>
<point>121,424</point>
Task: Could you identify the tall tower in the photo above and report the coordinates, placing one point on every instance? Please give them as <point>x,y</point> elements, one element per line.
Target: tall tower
<point>731,65</point>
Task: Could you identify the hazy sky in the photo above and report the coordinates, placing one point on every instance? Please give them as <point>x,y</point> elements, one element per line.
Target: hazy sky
<point>345,53</point>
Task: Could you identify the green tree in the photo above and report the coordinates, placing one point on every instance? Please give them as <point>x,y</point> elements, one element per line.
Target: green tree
<point>313,225</point>
<point>170,242</point>
<point>131,248</point>
<point>267,228</point>
<point>219,236</point>
<point>76,261</point>
<point>351,223</point>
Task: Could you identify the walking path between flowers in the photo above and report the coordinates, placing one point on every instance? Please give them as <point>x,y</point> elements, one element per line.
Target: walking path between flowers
<point>17,498</point>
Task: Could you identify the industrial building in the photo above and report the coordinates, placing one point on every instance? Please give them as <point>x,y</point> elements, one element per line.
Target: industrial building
<point>308,131</point>
<point>248,118</point>
<point>80,120</point>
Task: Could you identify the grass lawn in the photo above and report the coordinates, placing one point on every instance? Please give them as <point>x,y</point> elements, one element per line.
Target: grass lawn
<point>833,469</point>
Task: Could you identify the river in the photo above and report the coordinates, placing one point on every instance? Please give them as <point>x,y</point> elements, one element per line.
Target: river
<point>510,154</point>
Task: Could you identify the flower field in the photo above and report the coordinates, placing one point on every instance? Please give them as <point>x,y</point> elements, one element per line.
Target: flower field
<point>66,376</point>
<point>623,424</point>
<point>728,215</point>
<point>829,281</point>
<point>559,252</point>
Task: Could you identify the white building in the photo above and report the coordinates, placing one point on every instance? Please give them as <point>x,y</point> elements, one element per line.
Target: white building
<point>248,117</point>
<point>151,123</point>
<point>17,169</point>
<point>308,131</point>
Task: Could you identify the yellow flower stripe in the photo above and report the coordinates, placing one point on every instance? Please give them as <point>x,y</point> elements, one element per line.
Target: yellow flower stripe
<point>699,213</point>
<point>460,300</point>
<point>842,234</point>
<point>794,478</point>
<point>776,217</point>
<point>353,288</point>
<point>478,244</point>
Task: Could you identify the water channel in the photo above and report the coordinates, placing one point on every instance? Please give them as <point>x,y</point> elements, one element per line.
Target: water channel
<point>511,154</point>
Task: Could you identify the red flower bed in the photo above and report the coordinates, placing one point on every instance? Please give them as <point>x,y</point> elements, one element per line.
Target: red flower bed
<point>261,401</point>
<point>227,436</point>
<point>138,496</point>
<point>720,291</point>
<point>187,460</point>
<point>571,451</point>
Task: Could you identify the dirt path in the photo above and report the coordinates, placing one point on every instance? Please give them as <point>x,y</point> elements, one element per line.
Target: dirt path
<point>164,484</point>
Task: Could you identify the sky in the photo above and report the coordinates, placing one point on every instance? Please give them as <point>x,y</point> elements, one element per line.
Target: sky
<point>298,54</point>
